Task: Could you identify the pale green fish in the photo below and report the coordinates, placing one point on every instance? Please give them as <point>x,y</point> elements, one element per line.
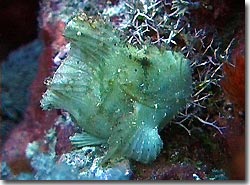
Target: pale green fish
<point>120,95</point>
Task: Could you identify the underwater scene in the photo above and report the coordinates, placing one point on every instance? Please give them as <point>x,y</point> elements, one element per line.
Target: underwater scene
<point>141,90</point>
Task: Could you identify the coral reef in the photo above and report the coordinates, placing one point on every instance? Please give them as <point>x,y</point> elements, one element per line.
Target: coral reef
<point>20,63</point>
<point>76,165</point>
<point>204,141</point>
<point>233,86</point>
<point>35,121</point>
<point>233,83</point>
<point>185,157</point>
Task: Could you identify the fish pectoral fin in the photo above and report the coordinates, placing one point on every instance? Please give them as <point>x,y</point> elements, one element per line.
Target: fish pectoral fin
<point>142,144</point>
<point>84,139</point>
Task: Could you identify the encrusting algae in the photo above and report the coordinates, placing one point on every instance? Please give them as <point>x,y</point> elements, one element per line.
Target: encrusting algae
<point>121,95</point>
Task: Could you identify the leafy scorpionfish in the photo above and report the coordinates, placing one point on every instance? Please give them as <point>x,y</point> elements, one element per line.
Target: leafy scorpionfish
<point>121,95</point>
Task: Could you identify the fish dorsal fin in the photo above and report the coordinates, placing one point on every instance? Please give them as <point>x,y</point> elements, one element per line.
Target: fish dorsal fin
<point>92,36</point>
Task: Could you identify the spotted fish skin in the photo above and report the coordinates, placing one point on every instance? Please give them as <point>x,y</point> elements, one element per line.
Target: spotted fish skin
<point>120,95</point>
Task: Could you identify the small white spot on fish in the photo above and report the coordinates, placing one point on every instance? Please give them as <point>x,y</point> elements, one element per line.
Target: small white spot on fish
<point>78,33</point>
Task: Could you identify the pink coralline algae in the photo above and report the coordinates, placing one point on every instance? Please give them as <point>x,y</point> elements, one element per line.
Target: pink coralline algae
<point>36,121</point>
